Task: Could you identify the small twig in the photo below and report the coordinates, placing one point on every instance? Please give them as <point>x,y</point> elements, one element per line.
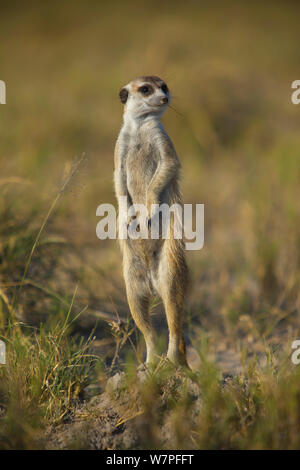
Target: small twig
<point>44,223</point>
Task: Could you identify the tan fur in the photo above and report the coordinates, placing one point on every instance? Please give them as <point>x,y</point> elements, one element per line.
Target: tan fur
<point>147,171</point>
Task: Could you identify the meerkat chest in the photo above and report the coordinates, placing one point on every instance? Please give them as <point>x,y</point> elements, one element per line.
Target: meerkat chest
<point>141,163</point>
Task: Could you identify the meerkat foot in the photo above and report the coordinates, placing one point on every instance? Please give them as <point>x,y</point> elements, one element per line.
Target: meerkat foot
<point>178,360</point>
<point>142,367</point>
<point>147,366</point>
<point>177,357</point>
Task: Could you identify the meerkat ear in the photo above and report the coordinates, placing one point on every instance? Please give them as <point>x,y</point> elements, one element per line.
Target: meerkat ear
<point>123,95</point>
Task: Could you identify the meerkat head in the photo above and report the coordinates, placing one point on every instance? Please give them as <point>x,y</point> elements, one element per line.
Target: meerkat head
<point>145,95</point>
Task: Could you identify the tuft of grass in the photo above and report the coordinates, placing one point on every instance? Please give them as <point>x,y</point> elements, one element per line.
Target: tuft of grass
<point>43,378</point>
<point>173,408</point>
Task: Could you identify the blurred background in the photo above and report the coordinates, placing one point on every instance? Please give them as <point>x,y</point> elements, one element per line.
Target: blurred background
<point>229,66</point>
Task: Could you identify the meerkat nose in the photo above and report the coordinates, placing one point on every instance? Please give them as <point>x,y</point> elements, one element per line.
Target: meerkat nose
<point>164,100</point>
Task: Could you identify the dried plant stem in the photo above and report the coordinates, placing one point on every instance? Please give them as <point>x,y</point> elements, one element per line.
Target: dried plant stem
<point>51,209</point>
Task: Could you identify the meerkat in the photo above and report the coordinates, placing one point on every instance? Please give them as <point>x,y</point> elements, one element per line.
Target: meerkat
<point>147,172</point>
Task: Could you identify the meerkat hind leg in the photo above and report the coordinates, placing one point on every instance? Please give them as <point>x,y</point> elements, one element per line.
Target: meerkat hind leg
<point>138,300</point>
<point>176,350</point>
<point>172,280</point>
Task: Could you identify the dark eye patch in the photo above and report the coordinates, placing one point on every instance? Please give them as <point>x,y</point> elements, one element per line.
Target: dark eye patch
<point>123,95</point>
<point>146,90</point>
<point>164,88</point>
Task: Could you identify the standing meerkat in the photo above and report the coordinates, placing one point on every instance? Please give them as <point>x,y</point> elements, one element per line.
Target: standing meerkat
<point>147,172</point>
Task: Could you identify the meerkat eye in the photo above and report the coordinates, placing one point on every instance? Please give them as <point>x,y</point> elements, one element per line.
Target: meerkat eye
<point>146,90</point>
<point>164,88</point>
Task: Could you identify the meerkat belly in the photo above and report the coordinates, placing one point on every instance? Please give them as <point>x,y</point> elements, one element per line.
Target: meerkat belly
<point>141,164</point>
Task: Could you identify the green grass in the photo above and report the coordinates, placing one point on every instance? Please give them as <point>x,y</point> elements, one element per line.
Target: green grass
<point>256,409</point>
<point>45,373</point>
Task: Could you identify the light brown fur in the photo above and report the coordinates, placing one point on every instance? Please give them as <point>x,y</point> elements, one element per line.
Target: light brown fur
<point>147,172</point>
